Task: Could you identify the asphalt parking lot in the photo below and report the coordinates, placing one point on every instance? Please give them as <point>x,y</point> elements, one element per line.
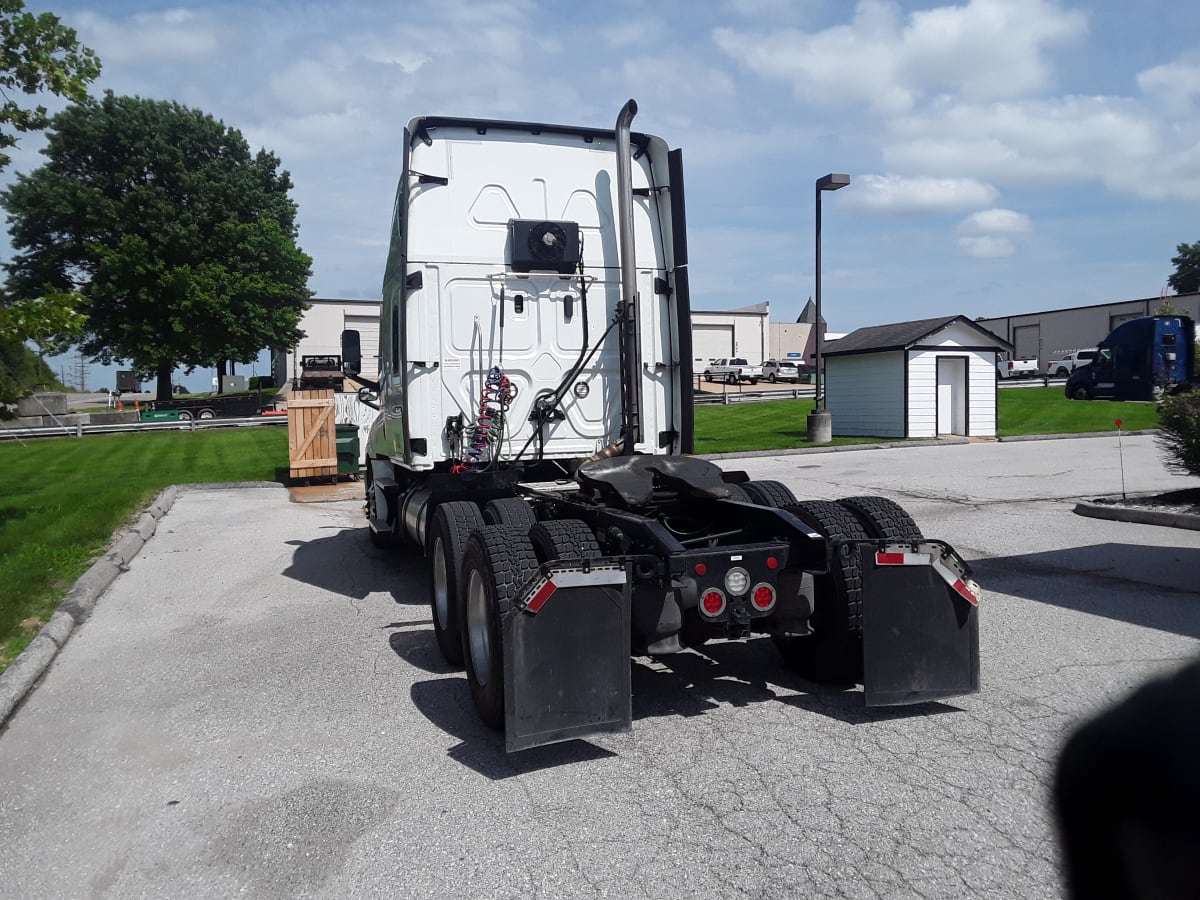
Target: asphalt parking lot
<point>257,707</point>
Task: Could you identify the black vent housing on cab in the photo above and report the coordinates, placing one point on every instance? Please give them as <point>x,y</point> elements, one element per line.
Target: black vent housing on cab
<point>542,246</point>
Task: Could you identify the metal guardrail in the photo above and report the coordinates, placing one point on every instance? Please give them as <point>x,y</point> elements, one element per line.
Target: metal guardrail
<point>79,431</point>
<point>722,394</point>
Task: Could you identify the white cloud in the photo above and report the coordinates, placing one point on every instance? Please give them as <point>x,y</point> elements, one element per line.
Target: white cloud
<point>987,246</point>
<point>1070,139</point>
<point>921,194</point>
<point>1176,84</point>
<point>985,49</point>
<point>996,221</point>
<point>175,35</point>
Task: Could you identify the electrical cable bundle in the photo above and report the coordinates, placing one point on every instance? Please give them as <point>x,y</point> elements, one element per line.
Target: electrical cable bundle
<point>497,395</point>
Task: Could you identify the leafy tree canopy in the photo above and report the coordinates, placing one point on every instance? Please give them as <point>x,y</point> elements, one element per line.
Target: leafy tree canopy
<point>37,54</point>
<point>180,243</point>
<point>1186,279</point>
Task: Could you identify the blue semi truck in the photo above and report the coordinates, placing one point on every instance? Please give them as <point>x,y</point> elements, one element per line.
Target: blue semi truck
<point>1141,359</point>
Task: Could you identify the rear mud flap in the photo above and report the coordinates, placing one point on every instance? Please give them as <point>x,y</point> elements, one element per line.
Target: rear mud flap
<point>566,656</point>
<point>920,624</point>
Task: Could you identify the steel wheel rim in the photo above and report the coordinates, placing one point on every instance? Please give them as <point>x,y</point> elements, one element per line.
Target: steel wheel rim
<point>441,587</point>
<point>478,637</point>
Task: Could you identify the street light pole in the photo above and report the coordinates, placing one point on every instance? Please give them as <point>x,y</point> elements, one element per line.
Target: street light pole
<point>820,426</point>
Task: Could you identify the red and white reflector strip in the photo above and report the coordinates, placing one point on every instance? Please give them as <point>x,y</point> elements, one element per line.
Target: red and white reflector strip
<point>951,574</point>
<point>546,586</point>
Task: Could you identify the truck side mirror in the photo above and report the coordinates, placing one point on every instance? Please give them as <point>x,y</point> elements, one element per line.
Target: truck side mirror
<point>351,352</point>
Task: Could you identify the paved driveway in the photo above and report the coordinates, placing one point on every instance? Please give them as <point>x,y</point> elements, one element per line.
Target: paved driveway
<point>257,708</point>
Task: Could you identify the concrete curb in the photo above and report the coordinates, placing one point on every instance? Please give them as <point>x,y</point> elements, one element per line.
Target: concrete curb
<point>1080,434</point>
<point>1138,515</point>
<point>917,442</point>
<point>20,678</point>
<point>796,451</point>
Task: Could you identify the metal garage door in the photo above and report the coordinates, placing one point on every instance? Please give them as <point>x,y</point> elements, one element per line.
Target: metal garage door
<point>368,335</point>
<point>711,341</point>
<point>1027,340</point>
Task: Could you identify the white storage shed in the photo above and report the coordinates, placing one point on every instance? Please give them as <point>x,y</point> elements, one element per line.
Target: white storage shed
<point>914,379</point>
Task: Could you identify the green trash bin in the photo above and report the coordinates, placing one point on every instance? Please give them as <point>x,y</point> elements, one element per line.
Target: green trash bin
<point>347,448</point>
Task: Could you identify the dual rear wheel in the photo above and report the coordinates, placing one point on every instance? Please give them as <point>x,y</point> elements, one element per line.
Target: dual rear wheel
<point>480,560</point>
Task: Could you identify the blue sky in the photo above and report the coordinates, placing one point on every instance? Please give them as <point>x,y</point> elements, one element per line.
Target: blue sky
<point>1006,155</point>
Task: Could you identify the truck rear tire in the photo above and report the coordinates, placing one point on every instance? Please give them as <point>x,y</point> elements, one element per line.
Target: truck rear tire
<point>834,651</point>
<point>563,539</point>
<point>499,562</point>
<point>775,494</point>
<point>509,511</point>
<point>883,518</point>
<point>185,415</point>
<point>452,524</point>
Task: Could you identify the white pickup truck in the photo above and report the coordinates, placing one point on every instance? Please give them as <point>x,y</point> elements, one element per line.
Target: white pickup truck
<point>1007,367</point>
<point>732,370</point>
<point>1064,362</point>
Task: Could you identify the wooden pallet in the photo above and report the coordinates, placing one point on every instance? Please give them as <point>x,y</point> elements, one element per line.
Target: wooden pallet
<point>312,436</point>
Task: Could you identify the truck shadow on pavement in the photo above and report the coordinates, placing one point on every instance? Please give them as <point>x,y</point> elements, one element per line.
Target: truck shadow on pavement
<point>446,702</point>
<point>1155,587</point>
<point>346,563</point>
<point>684,684</point>
<point>740,673</point>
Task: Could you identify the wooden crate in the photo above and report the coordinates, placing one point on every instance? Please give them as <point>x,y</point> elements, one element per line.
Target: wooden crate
<point>312,436</point>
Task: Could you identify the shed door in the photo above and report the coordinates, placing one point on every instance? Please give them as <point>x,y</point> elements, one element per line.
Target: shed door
<point>951,395</point>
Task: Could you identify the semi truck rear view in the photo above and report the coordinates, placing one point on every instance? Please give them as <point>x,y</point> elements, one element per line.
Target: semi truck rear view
<point>535,416</point>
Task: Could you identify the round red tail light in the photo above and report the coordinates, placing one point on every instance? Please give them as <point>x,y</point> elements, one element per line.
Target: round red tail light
<point>712,603</point>
<point>701,569</point>
<point>763,597</point>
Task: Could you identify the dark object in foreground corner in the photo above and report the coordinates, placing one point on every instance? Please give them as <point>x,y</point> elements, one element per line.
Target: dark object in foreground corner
<point>1127,795</point>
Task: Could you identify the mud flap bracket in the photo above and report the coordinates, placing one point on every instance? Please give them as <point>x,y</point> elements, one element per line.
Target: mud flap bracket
<point>920,623</point>
<point>566,655</point>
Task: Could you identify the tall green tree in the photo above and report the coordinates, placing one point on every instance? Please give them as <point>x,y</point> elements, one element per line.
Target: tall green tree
<point>180,242</point>
<point>38,54</point>
<point>1186,279</point>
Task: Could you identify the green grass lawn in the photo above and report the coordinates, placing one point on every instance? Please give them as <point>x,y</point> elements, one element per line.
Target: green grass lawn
<point>769,425</point>
<point>61,499</point>
<point>1048,411</point>
<point>782,424</point>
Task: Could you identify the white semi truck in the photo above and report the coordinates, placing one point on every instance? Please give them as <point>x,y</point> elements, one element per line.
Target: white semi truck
<point>535,416</point>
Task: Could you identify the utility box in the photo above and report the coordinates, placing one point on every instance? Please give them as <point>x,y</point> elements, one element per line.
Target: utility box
<point>128,382</point>
<point>236,383</point>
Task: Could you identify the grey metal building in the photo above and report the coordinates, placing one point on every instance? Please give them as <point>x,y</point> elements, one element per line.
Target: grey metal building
<point>1049,333</point>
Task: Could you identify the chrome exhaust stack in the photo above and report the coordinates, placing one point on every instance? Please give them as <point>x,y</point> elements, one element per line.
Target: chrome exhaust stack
<point>631,426</point>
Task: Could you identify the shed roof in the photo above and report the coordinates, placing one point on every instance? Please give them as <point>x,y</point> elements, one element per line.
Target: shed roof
<point>903,335</point>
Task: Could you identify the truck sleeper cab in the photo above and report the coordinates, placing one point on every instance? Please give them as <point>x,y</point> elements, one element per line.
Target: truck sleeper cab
<point>534,419</point>
<point>1140,359</point>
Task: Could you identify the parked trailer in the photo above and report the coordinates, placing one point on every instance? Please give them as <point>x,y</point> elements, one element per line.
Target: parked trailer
<point>535,420</point>
<point>216,407</point>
